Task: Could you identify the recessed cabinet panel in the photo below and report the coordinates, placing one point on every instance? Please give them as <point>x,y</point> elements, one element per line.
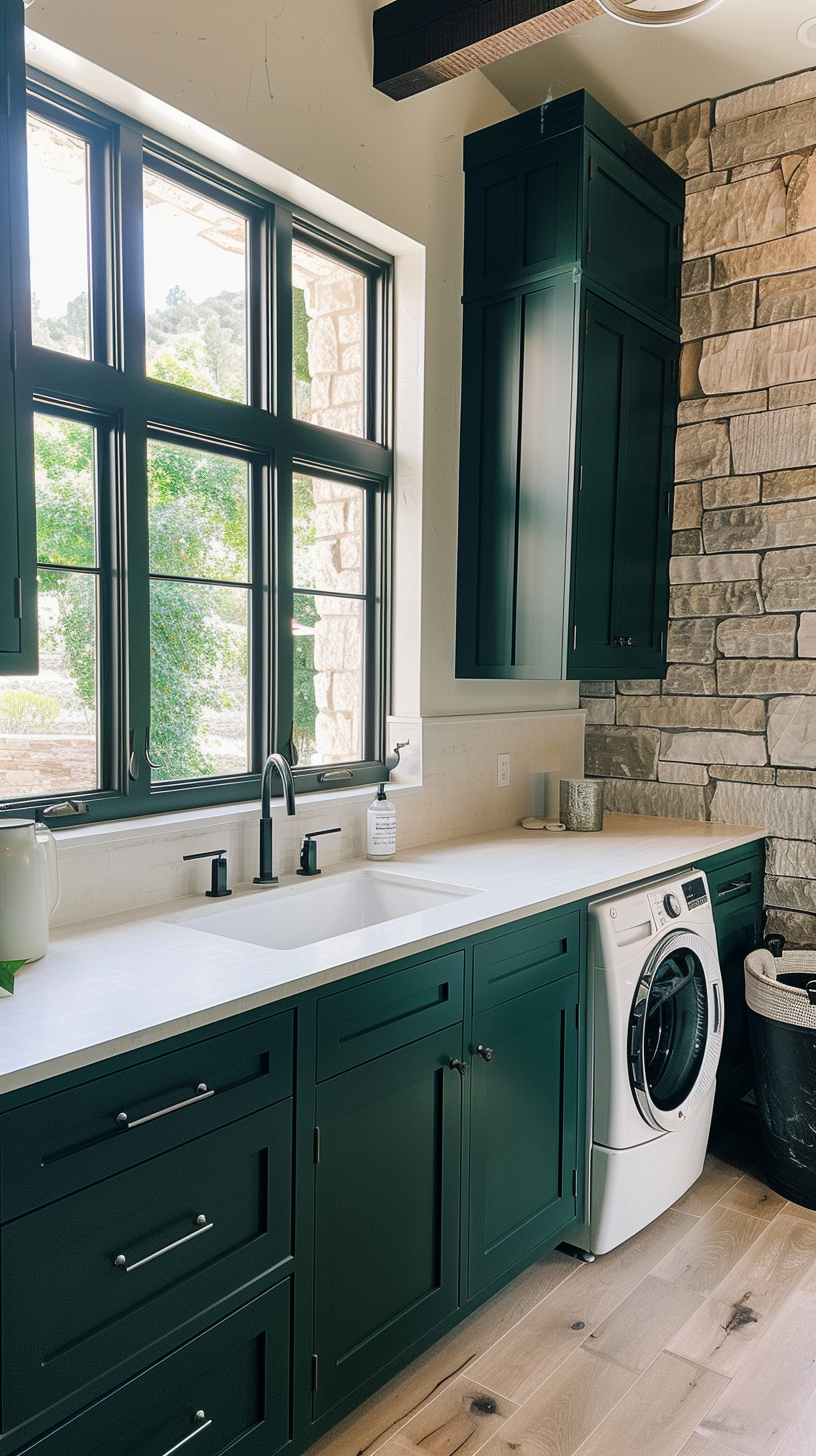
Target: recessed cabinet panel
<point>98,1278</point>
<point>514,484</point>
<point>387,1210</point>
<point>521,215</point>
<point>523,1150</point>
<point>633,239</point>
<point>622,538</point>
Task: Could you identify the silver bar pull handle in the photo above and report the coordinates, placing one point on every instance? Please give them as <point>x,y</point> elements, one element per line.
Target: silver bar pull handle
<point>202,1092</point>
<point>120,1262</point>
<point>198,1417</point>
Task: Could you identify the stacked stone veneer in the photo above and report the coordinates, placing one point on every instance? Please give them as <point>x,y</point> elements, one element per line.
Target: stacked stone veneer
<point>338,641</point>
<point>731,733</point>
<point>335,306</point>
<point>47,763</point>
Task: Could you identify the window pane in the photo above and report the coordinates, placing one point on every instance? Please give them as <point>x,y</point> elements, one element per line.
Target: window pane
<point>329,364</point>
<point>48,723</point>
<point>328,662</point>
<point>58,234</point>
<point>195,290</point>
<point>199,638</point>
<point>198,510</point>
<point>65,482</point>
<point>327,530</point>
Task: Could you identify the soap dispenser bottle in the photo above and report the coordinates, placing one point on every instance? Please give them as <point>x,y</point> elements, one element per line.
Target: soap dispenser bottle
<point>381,827</point>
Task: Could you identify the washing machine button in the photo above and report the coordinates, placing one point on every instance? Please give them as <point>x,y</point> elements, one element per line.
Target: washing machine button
<point>672,904</point>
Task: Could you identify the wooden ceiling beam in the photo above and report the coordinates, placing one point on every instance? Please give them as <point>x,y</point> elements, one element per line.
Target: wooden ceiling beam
<point>420,43</point>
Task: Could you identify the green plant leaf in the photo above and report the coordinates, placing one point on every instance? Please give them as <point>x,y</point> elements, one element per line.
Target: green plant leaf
<point>7,970</point>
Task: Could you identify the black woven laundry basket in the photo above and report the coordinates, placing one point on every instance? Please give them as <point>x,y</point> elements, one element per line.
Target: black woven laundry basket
<point>781,995</point>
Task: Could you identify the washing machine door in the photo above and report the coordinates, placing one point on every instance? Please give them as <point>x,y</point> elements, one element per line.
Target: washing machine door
<point>676,1030</point>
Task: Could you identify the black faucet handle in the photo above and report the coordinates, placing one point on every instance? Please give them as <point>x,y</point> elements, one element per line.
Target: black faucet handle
<point>218,883</point>
<point>308,851</point>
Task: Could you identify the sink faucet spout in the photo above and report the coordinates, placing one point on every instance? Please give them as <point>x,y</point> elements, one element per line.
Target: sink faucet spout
<point>275,763</point>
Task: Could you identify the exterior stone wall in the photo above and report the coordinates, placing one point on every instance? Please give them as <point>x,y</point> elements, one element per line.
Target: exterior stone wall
<point>731,733</point>
<point>338,639</point>
<point>334,297</point>
<point>34,764</point>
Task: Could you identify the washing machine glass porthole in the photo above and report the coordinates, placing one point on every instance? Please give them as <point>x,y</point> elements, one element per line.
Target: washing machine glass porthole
<point>672,1042</point>
<point>675,1030</point>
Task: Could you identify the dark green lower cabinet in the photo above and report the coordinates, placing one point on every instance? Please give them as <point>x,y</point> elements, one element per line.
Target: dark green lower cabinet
<point>387,1210</point>
<point>226,1391</point>
<point>523,1128</point>
<point>736,884</point>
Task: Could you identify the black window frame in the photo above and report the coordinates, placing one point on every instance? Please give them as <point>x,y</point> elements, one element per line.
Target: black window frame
<point>113,387</point>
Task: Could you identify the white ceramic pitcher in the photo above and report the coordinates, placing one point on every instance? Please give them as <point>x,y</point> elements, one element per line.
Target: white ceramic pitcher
<point>29,888</point>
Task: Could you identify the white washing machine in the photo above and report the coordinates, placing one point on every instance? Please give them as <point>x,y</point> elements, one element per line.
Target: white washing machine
<point>656,1018</point>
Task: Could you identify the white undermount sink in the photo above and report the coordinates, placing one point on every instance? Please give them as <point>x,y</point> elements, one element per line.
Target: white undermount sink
<point>298,915</point>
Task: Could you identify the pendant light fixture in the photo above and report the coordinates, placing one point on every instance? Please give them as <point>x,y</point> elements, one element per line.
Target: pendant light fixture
<point>653,12</point>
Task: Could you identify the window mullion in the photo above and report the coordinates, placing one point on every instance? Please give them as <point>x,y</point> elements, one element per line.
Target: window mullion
<point>136,657</point>
<point>284,608</point>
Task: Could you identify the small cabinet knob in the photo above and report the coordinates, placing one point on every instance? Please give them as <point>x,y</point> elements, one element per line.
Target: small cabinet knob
<point>486,1053</point>
<point>460,1067</point>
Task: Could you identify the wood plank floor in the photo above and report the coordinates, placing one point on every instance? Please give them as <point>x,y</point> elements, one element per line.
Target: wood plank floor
<point>697,1338</point>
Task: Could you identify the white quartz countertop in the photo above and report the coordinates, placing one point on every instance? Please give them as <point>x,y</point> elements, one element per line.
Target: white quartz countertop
<point>132,980</point>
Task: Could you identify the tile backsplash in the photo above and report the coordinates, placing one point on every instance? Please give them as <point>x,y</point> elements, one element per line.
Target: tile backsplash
<point>446,787</point>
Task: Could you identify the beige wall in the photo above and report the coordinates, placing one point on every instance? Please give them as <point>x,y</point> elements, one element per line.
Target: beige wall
<point>731,733</point>
<point>291,80</point>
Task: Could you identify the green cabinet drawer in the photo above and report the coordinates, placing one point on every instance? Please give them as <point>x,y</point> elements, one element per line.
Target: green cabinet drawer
<point>100,1279</point>
<point>228,1390</point>
<point>365,1022</point>
<point>62,1143</point>
<point>513,962</point>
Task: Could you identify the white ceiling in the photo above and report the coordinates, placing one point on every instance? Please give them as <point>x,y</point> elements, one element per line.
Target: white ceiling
<point>638,73</point>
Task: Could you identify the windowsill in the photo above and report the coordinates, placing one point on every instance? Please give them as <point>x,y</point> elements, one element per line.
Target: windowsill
<point>152,826</point>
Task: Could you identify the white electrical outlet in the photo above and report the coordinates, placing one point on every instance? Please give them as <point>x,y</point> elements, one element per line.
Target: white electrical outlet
<point>503,774</point>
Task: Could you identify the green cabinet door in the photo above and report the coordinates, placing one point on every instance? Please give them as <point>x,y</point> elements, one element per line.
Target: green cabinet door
<point>634,235</point>
<point>622,539</point>
<point>736,885</point>
<point>521,215</point>
<point>18,575</point>
<point>514,498</point>
<point>386,1211</point>
<point>524,1127</point>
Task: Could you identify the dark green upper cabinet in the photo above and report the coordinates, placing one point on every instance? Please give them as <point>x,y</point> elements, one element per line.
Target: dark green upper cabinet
<point>18,575</point>
<point>573,234</point>
<point>622,537</point>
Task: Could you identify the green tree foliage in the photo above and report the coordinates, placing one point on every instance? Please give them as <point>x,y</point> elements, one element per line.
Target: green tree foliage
<point>201,346</point>
<point>67,333</point>
<point>305,617</point>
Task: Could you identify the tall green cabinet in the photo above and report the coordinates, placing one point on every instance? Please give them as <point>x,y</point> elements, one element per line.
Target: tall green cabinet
<point>573,246</point>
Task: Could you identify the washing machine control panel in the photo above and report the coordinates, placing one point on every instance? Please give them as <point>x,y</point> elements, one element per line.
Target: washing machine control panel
<point>695,893</point>
<point>668,905</point>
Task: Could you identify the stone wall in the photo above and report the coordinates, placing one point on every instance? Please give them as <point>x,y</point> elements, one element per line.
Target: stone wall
<point>731,733</point>
<point>49,763</point>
